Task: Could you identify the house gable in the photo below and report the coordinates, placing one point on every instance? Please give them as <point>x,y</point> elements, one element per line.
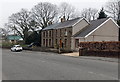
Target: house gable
<point>79,26</point>
<point>107,31</point>
<point>110,22</point>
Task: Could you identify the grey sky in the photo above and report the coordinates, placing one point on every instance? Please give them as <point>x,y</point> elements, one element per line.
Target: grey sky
<point>7,7</point>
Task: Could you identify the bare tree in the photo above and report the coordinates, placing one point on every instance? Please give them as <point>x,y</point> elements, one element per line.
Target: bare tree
<point>112,7</point>
<point>2,32</point>
<point>89,13</point>
<point>21,23</point>
<point>68,11</point>
<point>43,13</point>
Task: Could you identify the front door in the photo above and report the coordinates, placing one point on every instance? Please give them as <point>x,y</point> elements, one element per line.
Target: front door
<point>76,43</point>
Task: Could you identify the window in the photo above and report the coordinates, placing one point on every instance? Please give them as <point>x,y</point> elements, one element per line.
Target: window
<point>43,34</point>
<point>50,33</point>
<point>70,32</point>
<point>43,42</point>
<point>46,33</point>
<point>56,41</point>
<point>56,33</point>
<point>60,32</point>
<point>65,42</point>
<point>49,42</point>
<point>65,32</point>
<point>77,43</point>
<point>46,42</point>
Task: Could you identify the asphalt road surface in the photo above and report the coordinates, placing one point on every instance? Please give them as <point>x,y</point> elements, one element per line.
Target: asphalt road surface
<point>31,65</point>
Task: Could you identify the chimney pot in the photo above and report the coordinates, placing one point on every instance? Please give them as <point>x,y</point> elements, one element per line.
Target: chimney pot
<point>63,19</point>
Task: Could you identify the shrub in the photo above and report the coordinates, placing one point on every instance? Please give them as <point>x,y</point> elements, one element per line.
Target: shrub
<point>7,44</point>
<point>111,45</point>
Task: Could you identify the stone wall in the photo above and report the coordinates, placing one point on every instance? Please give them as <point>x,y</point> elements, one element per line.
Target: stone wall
<point>57,35</point>
<point>47,38</point>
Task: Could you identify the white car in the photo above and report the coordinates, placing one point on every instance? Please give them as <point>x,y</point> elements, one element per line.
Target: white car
<point>16,48</point>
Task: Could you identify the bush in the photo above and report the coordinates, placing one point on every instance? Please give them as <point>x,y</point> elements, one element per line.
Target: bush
<point>56,46</point>
<point>111,45</point>
<point>113,54</point>
<point>104,49</point>
<point>7,44</point>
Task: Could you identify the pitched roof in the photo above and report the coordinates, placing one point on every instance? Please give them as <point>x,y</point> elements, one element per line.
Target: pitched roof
<point>65,24</point>
<point>14,37</point>
<point>93,25</point>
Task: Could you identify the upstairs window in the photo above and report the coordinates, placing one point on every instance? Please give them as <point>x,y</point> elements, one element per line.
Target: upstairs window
<point>46,33</point>
<point>65,42</point>
<point>56,33</point>
<point>66,32</point>
<point>56,41</point>
<point>60,32</point>
<point>43,34</point>
<point>50,33</point>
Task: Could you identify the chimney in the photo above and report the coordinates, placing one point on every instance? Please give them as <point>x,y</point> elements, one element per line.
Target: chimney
<point>63,19</point>
<point>50,23</point>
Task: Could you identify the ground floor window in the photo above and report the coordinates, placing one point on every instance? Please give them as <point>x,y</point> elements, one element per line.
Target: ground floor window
<point>56,42</point>
<point>65,42</point>
<point>46,42</point>
<point>49,42</point>
<point>43,42</point>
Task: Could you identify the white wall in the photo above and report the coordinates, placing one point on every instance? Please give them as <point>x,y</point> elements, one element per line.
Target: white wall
<point>80,25</point>
<point>107,32</point>
<point>72,43</point>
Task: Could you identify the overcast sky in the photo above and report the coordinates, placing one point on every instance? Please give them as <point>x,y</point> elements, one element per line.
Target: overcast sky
<point>7,7</point>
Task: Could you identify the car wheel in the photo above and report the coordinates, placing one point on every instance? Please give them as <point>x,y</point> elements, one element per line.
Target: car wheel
<point>15,50</point>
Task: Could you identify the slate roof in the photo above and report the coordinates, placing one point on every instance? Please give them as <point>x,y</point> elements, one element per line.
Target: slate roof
<point>13,37</point>
<point>93,25</point>
<point>65,24</point>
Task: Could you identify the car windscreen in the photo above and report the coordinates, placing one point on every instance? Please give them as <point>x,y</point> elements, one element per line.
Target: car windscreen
<point>18,46</point>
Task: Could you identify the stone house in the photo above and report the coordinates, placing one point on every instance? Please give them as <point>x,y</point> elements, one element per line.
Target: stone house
<point>68,34</point>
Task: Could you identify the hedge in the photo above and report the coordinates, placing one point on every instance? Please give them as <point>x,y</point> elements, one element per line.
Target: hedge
<point>111,46</point>
<point>104,49</point>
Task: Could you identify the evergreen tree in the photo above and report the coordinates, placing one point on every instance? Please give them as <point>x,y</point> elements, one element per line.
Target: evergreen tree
<point>118,22</point>
<point>102,14</point>
<point>34,37</point>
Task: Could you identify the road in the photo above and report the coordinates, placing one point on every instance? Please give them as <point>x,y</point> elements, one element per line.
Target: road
<point>31,65</point>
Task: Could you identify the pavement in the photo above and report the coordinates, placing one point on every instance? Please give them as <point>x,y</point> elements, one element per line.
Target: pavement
<point>76,54</point>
